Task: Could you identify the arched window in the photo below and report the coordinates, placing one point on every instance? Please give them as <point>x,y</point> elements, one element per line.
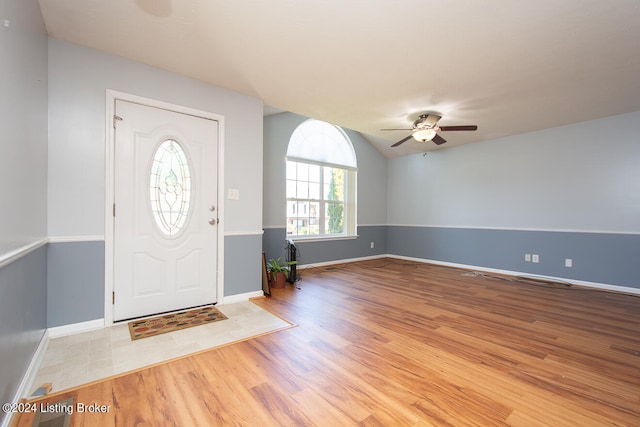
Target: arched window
<point>321,182</point>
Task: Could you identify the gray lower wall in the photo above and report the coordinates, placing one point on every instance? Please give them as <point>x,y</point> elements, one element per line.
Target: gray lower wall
<point>75,277</point>
<point>242,264</point>
<point>75,282</point>
<point>275,240</point>
<point>604,258</point>
<point>75,271</point>
<point>23,317</point>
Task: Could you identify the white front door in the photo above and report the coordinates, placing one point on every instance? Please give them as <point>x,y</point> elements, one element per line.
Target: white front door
<point>165,225</point>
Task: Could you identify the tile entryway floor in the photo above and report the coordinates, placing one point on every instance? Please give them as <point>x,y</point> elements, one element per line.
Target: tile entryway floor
<point>78,359</point>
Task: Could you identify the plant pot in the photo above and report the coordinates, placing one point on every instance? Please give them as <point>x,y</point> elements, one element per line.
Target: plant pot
<point>278,280</point>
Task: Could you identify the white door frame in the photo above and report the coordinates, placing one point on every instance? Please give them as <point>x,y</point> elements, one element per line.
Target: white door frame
<point>111,98</point>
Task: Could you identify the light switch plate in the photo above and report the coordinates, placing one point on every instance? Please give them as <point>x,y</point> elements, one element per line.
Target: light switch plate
<point>233,194</point>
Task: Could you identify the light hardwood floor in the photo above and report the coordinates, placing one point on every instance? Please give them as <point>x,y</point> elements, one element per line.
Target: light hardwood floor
<point>396,343</point>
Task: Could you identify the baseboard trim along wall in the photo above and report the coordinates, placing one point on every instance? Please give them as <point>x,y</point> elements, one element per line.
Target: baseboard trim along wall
<point>75,328</point>
<point>24,390</point>
<point>231,299</point>
<point>27,383</point>
<point>602,286</point>
<point>583,283</point>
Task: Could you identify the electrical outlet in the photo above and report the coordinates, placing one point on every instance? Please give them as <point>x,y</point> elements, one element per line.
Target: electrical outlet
<point>535,258</point>
<point>527,257</point>
<point>372,245</point>
<point>568,262</point>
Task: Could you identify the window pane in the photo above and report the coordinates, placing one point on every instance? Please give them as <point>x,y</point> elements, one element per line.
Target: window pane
<point>303,209</point>
<point>291,209</point>
<point>334,184</point>
<point>302,190</point>
<point>326,172</point>
<point>334,218</point>
<point>303,172</point>
<point>314,218</point>
<point>297,219</point>
<point>292,226</point>
<point>314,173</point>
<point>314,191</point>
<point>291,170</point>
<point>291,189</point>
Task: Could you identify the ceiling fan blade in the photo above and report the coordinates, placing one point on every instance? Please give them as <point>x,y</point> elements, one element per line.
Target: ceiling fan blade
<point>470,127</point>
<point>402,141</point>
<point>438,140</point>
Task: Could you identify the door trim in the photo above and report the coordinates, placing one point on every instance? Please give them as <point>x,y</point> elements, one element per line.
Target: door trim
<point>111,97</point>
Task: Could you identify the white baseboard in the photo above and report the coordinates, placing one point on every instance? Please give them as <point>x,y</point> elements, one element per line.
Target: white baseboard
<point>75,328</point>
<point>231,299</point>
<point>595,285</point>
<point>24,389</point>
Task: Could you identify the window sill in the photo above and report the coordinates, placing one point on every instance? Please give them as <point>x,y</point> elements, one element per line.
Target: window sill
<point>305,239</point>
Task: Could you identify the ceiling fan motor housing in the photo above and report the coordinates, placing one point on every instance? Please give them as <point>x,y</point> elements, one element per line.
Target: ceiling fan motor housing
<point>426,121</point>
<point>426,129</point>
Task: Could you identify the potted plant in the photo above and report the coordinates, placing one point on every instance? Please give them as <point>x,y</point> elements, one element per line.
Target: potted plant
<point>278,271</point>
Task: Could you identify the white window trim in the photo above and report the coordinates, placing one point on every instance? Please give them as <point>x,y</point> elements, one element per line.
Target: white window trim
<point>313,162</point>
<point>307,239</point>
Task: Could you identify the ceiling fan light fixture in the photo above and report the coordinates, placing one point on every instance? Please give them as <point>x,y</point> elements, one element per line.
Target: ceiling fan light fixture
<point>424,135</point>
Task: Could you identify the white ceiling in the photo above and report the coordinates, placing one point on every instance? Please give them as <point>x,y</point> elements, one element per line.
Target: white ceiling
<point>508,66</point>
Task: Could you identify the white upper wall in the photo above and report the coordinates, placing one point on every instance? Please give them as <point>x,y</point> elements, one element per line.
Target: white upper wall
<point>78,80</point>
<point>583,177</point>
<point>23,120</point>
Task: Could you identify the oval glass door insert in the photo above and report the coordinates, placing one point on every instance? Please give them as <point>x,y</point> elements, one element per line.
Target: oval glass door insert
<point>170,187</point>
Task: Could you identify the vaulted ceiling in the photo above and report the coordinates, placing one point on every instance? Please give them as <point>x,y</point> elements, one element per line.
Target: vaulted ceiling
<point>508,66</point>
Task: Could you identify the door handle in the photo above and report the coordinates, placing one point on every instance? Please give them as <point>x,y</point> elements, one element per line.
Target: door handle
<point>213,221</point>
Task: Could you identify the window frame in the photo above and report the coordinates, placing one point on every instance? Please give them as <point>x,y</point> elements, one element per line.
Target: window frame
<point>309,146</point>
<point>348,204</point>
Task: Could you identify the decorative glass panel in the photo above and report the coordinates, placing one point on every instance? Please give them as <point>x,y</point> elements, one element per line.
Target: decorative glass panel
<point>170,187</point>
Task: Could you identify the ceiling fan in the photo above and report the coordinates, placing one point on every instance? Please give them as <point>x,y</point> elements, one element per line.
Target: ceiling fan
<point>425,129</point>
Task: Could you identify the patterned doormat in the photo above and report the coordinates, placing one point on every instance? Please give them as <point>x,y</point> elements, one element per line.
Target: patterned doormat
<point>173,322</point>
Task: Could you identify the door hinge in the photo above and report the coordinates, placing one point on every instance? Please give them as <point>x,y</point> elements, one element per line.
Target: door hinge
<point>113,297</point>
<point>115,119</point>
<point>114,209</point>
